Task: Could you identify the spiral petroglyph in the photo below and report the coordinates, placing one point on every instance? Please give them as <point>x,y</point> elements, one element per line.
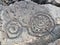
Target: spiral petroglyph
<point>13,29</point>
<point>29,23</point>
<point>41,24</point>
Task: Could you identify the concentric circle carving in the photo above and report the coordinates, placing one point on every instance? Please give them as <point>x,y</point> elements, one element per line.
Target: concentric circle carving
<point>41,24</point>
<point>13,29</point>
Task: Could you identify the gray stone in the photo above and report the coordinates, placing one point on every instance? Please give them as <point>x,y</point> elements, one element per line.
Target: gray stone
<point>31,24</point>
<point>57,42</point>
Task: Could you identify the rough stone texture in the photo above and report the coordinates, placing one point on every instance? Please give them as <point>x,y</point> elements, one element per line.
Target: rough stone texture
<point>54,11</point>
<point>57,42</point>
<point>1,10</point>
<point>17,24</point>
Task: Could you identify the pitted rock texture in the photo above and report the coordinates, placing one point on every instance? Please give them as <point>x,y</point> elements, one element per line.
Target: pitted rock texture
<point>1,10</point>
<point>41,24</point>
<point>57,42</point>
<point>7,2</point>
<point>27,23</point>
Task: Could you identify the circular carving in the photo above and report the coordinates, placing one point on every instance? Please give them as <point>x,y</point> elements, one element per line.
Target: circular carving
<point>13,29</point>
<point>41,24</point>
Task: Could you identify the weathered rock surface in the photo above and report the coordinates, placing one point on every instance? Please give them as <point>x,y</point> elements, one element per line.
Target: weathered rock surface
<point>27,23</point>
<point>57,42</point>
